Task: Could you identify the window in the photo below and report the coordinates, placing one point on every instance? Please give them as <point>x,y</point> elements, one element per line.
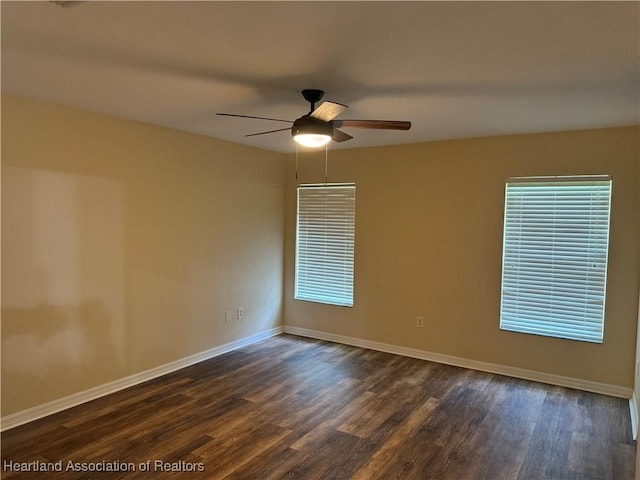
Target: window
<point>554,262</point>
<point>324,243</point>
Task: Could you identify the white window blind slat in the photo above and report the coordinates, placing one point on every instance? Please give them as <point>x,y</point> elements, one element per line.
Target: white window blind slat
<point>556,236</point>
<point>324,244</point>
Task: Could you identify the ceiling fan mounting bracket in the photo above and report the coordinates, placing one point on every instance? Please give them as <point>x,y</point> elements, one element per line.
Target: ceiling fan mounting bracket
<point>312,96</point>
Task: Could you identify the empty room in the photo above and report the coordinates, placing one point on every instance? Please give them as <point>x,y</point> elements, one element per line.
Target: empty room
<point>320,240</point>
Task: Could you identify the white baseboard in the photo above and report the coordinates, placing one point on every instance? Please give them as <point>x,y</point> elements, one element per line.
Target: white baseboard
<point>633,410</point>
<point>570,382</point>
<point>49,408</point>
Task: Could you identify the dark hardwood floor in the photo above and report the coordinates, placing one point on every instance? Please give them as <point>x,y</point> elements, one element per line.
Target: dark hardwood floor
<point>294,408</point>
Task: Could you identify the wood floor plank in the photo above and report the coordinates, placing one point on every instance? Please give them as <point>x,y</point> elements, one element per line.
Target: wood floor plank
<point>327,426</point>
<point>504,434</point>
<point>548,454</point>
<point>379,409</point>
<point>303,409</point>
<point>225,456</point>
<point>323,458</point>
<point>377,465</point>
<point>144,395</point>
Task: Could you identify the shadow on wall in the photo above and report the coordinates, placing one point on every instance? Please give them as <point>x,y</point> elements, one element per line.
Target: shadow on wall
<point>124,244</point>
<point>57,345</point>
<point>62,278</point>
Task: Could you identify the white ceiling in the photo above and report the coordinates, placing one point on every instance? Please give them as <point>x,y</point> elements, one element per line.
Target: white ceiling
<point>454,69</point>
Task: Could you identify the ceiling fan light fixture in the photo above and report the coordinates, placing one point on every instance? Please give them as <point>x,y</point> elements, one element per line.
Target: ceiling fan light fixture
<point>312,133</point>
<point>312,140</point>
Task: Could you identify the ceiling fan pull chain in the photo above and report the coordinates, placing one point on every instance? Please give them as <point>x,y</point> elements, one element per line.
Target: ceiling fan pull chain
<point>296,160</point>
<point>326,163</point>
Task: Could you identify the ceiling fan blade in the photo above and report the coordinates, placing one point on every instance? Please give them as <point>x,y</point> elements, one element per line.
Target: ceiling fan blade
<point>257,118</point>
<point>340,136</point>
<point>328,111</point>
<point>377,124</point>
<point>270,131</point>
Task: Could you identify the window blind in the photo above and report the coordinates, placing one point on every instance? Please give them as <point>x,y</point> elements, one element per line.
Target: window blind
<point>555,248</point>
<point>324,243</point>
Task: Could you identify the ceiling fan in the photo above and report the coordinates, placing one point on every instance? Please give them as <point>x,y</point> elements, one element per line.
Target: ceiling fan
<point>318,127</point>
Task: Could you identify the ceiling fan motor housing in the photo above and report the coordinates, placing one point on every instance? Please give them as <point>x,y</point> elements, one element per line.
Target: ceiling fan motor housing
<point>309,125</point>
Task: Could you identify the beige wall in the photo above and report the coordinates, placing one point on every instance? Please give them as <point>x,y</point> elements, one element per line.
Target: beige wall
<point>429,242</point>
<point>122,246</point>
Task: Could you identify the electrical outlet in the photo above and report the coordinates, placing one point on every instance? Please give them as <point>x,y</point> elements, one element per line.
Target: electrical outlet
<point>419,322</point>
<point>240,313</point>
<point>227,316</point>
